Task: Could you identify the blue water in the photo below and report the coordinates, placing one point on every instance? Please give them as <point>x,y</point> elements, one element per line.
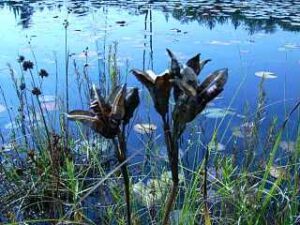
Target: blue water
<point>244,36</point>
<point>229,40</point>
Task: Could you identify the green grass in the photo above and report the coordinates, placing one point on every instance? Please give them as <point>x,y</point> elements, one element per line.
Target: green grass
<point>47,181</point>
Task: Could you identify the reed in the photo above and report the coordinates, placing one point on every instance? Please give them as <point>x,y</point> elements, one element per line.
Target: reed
<point>42,183</point>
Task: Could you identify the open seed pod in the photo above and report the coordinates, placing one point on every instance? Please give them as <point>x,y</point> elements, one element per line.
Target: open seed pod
<point>175,65</point>
<point>131,103</point>
<point>159,87</point>
<point>185,76</point>
<point>188,106</point>
<point>105,117</point>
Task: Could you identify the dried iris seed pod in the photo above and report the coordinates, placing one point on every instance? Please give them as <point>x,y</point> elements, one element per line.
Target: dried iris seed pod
<point>43,73</point>
<point>189,106</point>
<point>105,117</point>
<point>185,76</point>
<point>159,87</point>
<point>191,97</point>
<point>27,65</point>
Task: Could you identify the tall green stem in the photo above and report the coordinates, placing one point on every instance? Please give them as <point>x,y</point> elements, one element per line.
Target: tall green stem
<point>172,147</point>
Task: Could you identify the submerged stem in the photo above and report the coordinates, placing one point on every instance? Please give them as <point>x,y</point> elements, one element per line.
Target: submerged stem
<point>66,122</point>
<point>172,147</point>
<point>121,155</point>
<point>170,202</point>
<point>44,120</point>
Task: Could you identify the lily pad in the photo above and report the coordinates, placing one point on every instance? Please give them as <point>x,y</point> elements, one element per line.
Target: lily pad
<point>291,46</point>
<point>175,30</point>
<point>49,106</point>
<point>247,127</point>
<point>48,102</point>
<point>166,177</point>
<point>155,189</point>
<point>148,194</point>
<point>88,54</point>
<point>11,125</point>
<point>244,130</point>
<point>163,153</point>
<point>288,146</point>
<point>216,113</point>
<point>236,132</point>
<point>6,148</point>
<point>177,216</point>
<point>223,43</point>
<point>265,74</point>
<point>144,128</point>
<point>48,98</point>
<point>2,108</point>
<point>216,146</point>
<point>277,172</point>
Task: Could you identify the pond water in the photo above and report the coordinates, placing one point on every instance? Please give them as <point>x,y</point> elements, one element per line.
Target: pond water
<point>247,37</point>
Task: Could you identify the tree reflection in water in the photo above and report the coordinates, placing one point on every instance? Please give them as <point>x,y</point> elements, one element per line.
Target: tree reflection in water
<point>209,13</point>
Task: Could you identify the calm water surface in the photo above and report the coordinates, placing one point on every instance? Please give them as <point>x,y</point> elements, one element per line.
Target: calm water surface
<point>245,36</point>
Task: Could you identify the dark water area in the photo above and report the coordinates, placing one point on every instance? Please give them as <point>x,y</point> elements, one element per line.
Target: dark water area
<point>247,37</point>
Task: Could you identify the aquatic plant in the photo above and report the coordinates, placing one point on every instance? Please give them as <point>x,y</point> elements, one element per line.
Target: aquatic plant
<point>43,73</point>
<point>109,118</point>
<point>67,58</point>
<point>191,97</point>
<point>52,183</point>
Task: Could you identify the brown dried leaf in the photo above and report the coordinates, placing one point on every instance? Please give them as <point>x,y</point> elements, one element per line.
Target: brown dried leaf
<point>194,63</point>
<point>203,63</point>
<point>159,89</point>
<point>143,77</point>
<point>98,105</point>
<point>82,116</point>
<point>131,103</point>
<point>161,93</point>
<point>91,120</point>
<point>213,84</point>
<point>184,88</point>
<point>175,65</point>
<point>118,104</point>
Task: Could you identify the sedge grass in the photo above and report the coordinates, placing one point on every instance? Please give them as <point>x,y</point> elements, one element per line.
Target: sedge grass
<point>215,191</point>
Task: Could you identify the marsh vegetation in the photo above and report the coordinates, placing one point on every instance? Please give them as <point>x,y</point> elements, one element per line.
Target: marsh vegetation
<point>127,123</point>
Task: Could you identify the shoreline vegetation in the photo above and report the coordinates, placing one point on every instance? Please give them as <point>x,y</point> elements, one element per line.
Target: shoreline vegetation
<point>84,172</point>
<point>47,181</point>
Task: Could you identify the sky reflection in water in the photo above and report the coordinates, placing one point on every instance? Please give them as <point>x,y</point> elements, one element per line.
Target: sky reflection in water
<point>142,41</point>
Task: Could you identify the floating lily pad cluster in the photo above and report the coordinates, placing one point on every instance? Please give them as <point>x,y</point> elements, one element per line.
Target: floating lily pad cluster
<point>265,75</point>
<point>153,190</point>
<point>144,128</point>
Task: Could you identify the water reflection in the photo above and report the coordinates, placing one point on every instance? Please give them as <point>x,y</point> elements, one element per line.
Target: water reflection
<point>209,13</point>
<point>148,27</point>
<point>21,11</point>
<point>143,31</point>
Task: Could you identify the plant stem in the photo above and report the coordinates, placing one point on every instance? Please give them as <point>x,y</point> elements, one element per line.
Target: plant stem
<point>121,155</point>
<point>44,120</point>
<point>170,202</point>
<point>207,219</point>
<point>172,147</point>
<point>66,122</point>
